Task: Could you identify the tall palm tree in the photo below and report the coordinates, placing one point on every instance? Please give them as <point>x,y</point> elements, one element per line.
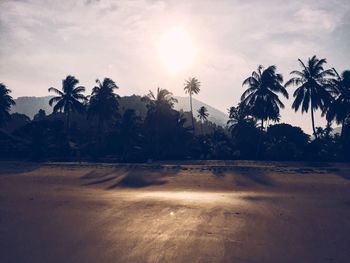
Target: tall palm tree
<point>313,89</point>
<point>103,102</point>
<point>6,102</point>
<point>339,109</point>
<point>192,86</point>
<point>260,98</point>
<point>69,99</point>
<point>203,115</point>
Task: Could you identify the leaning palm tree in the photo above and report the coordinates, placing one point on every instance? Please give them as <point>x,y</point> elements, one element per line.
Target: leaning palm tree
<point>260,99</point>
<point>313,89</point>
<point>103,102</point>
<point>69,99</point>
<point>6,102</point>
<point>192,86</point>
<point>203,115</point>
<point>339,109</point>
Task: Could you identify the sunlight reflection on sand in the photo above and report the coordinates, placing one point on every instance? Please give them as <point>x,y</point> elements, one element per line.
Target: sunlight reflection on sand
<point>194,196</point>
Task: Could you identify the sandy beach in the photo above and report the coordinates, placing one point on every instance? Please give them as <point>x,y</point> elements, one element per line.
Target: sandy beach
<point>175,212</point>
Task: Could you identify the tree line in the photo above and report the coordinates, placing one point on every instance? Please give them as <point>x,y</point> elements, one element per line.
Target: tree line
<point>95,128</point>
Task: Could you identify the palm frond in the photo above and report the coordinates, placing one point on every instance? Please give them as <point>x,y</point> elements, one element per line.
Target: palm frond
<point>58,92</point>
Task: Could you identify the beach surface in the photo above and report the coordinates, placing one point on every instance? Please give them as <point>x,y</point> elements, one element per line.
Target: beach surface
<point>175,212</point>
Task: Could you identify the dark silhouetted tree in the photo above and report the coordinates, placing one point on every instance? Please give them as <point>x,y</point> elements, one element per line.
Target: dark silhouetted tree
<point>162,100</point>
<point>286,142</point>
<point>203,115</point>
<point>339,109</point>
<point>103,103</point>
<point>165,135</point>
<point>312,87</point>
<point>192,86</point>
<point>41,115</point>
<point>238,119</point>
<point>130,135</point>
<point>261,99</point>
<point>245,136</point>
<point>69,99</point>
<point>6,102</point>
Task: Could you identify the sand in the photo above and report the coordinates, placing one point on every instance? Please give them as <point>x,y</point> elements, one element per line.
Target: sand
<point>173,212</point>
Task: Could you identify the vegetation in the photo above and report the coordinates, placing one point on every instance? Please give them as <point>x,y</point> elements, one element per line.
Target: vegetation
<point>69,99</point>
<point>103,105</point>
<point>260,99</point>
<point>313,90</point>
<point>339,108</point>
<point>203,115</point>
<point>96,128</point>
<point>6,102</point>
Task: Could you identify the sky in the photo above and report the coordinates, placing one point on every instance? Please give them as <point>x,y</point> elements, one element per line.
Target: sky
<point>221,42</point>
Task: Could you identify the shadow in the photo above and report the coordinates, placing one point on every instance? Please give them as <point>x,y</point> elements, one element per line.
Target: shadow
<point>135,176</point>
<point>318,164</point>
<point>97,175</point>
<point>101,181</point>
<point>138,180</point>
<point>346,203</point>
<point>12,168</point>
<point>304,171</point>
<point>343,174</point>
<point>218,172</point>
<point>256,175</point>
<point>93,175</point>
<point>252,198</point>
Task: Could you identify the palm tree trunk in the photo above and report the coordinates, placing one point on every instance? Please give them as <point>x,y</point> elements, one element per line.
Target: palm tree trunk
<point>202,128</point>
<point>342,129</point>
<point>67,123</point>
<point>99,133</point>
<point>191,111</point>
<point>262,124</point>
<point>313,121</point>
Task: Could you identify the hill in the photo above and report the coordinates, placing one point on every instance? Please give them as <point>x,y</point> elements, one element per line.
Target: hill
<point>31,105</point>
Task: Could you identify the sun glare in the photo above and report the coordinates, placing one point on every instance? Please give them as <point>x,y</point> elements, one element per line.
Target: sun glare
<point>176,50</point>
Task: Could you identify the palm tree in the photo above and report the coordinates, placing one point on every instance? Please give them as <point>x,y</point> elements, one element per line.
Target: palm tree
<point>202,115</point>
<point>261,99</point>
<point>313,89</point>
<point>192,86</point>
<point>129,132</point>
<point>339,109</point>
<point>103,102</point>
<point>160,117</point>
<point>69,99</point>
<point>238,119</point>
<point>6,102</point>
<point>162,100</point>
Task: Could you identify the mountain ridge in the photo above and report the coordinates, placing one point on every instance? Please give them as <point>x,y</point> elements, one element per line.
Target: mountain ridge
<point>30,105</point>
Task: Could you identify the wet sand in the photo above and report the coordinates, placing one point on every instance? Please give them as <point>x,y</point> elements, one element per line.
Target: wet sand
<point>193,212</point>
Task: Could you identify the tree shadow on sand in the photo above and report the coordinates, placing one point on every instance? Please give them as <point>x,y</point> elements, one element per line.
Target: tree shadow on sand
<point>256,175</point>
<point>218,172</point>
<point>345,174</point>
<point>137,179</point>
<point>241,174</point>
<point>131,177</point>
<point>12,168</point>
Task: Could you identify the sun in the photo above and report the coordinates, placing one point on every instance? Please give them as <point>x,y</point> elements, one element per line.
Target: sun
<point>176,50</point>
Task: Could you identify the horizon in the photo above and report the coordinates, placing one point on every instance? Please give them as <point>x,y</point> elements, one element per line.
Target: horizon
<point>131,42</point>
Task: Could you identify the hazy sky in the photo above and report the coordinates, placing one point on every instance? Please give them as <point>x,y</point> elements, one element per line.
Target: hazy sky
<point>42,41</point>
